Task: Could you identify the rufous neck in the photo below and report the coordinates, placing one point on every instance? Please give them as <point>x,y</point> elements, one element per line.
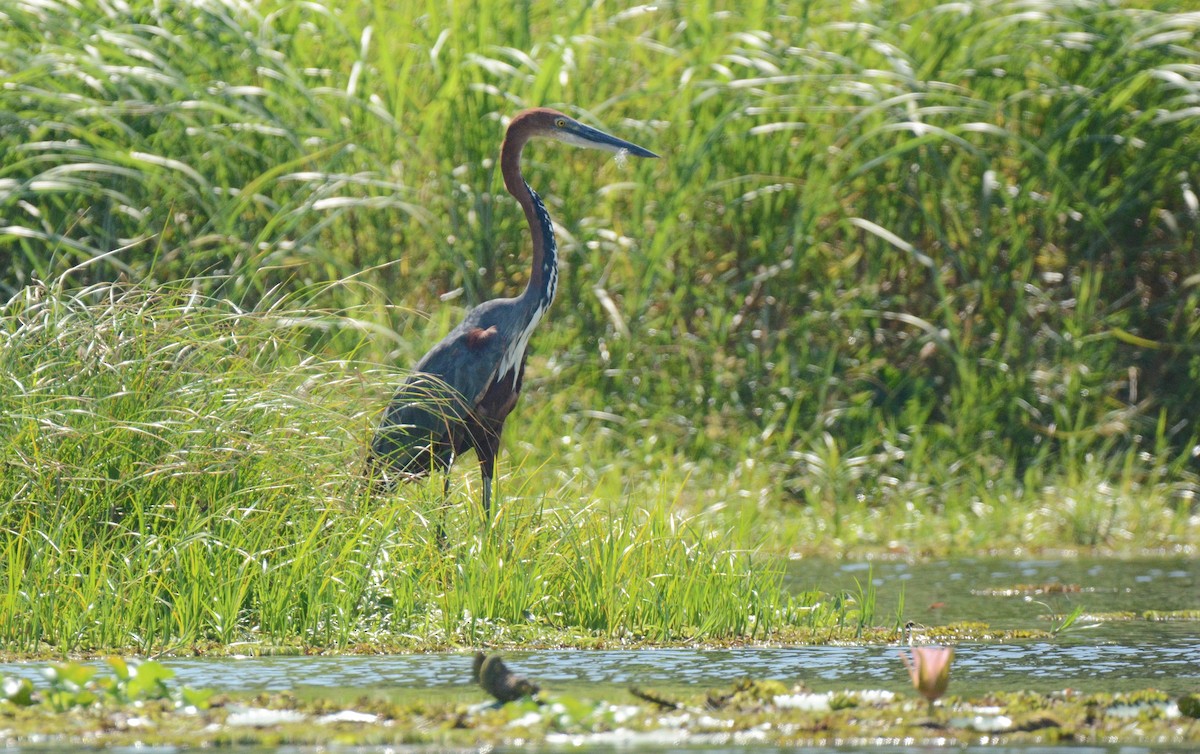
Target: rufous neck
<point>543,276</point>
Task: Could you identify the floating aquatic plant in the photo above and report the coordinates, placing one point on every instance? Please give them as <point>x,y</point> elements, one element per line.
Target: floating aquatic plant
<point>754,711</point>
<point>73,685</point>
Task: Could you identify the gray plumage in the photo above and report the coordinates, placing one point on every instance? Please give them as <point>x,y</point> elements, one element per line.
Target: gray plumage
<point>460,393</point>
<point>454,400</point>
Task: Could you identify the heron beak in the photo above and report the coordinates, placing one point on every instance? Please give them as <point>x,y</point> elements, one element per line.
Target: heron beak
<point>586,136</point>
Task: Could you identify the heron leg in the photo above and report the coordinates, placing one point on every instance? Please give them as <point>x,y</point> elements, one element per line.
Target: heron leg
<point>488,470</point>
<point>487,492</point>
<point>487,449</point>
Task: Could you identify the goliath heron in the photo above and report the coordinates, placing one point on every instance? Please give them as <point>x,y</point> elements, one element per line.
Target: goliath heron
<point>460,393</point>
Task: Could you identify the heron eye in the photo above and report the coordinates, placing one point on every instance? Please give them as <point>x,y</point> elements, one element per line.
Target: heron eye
<point>560,123</point>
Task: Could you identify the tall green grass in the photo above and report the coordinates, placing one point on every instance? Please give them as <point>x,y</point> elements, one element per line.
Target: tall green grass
<point>178,472</point>
<point>908,275</point>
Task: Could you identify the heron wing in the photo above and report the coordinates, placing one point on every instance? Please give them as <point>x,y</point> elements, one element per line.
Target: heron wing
<point>433,405</point>
<point>466,360</point>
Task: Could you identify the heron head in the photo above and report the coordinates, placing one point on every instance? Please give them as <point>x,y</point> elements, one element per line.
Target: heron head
<point>551,124</point>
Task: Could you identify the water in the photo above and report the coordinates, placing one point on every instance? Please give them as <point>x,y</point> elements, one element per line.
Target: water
<point>1006,594</point>
<point>1112,656</point>
<point>989,590</point>
<point>978,668</point>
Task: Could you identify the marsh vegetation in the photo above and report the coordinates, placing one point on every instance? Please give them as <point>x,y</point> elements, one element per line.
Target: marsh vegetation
<point>911,278</point>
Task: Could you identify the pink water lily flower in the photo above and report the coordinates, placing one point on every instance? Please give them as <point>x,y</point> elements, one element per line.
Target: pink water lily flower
<point>929,669</point>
